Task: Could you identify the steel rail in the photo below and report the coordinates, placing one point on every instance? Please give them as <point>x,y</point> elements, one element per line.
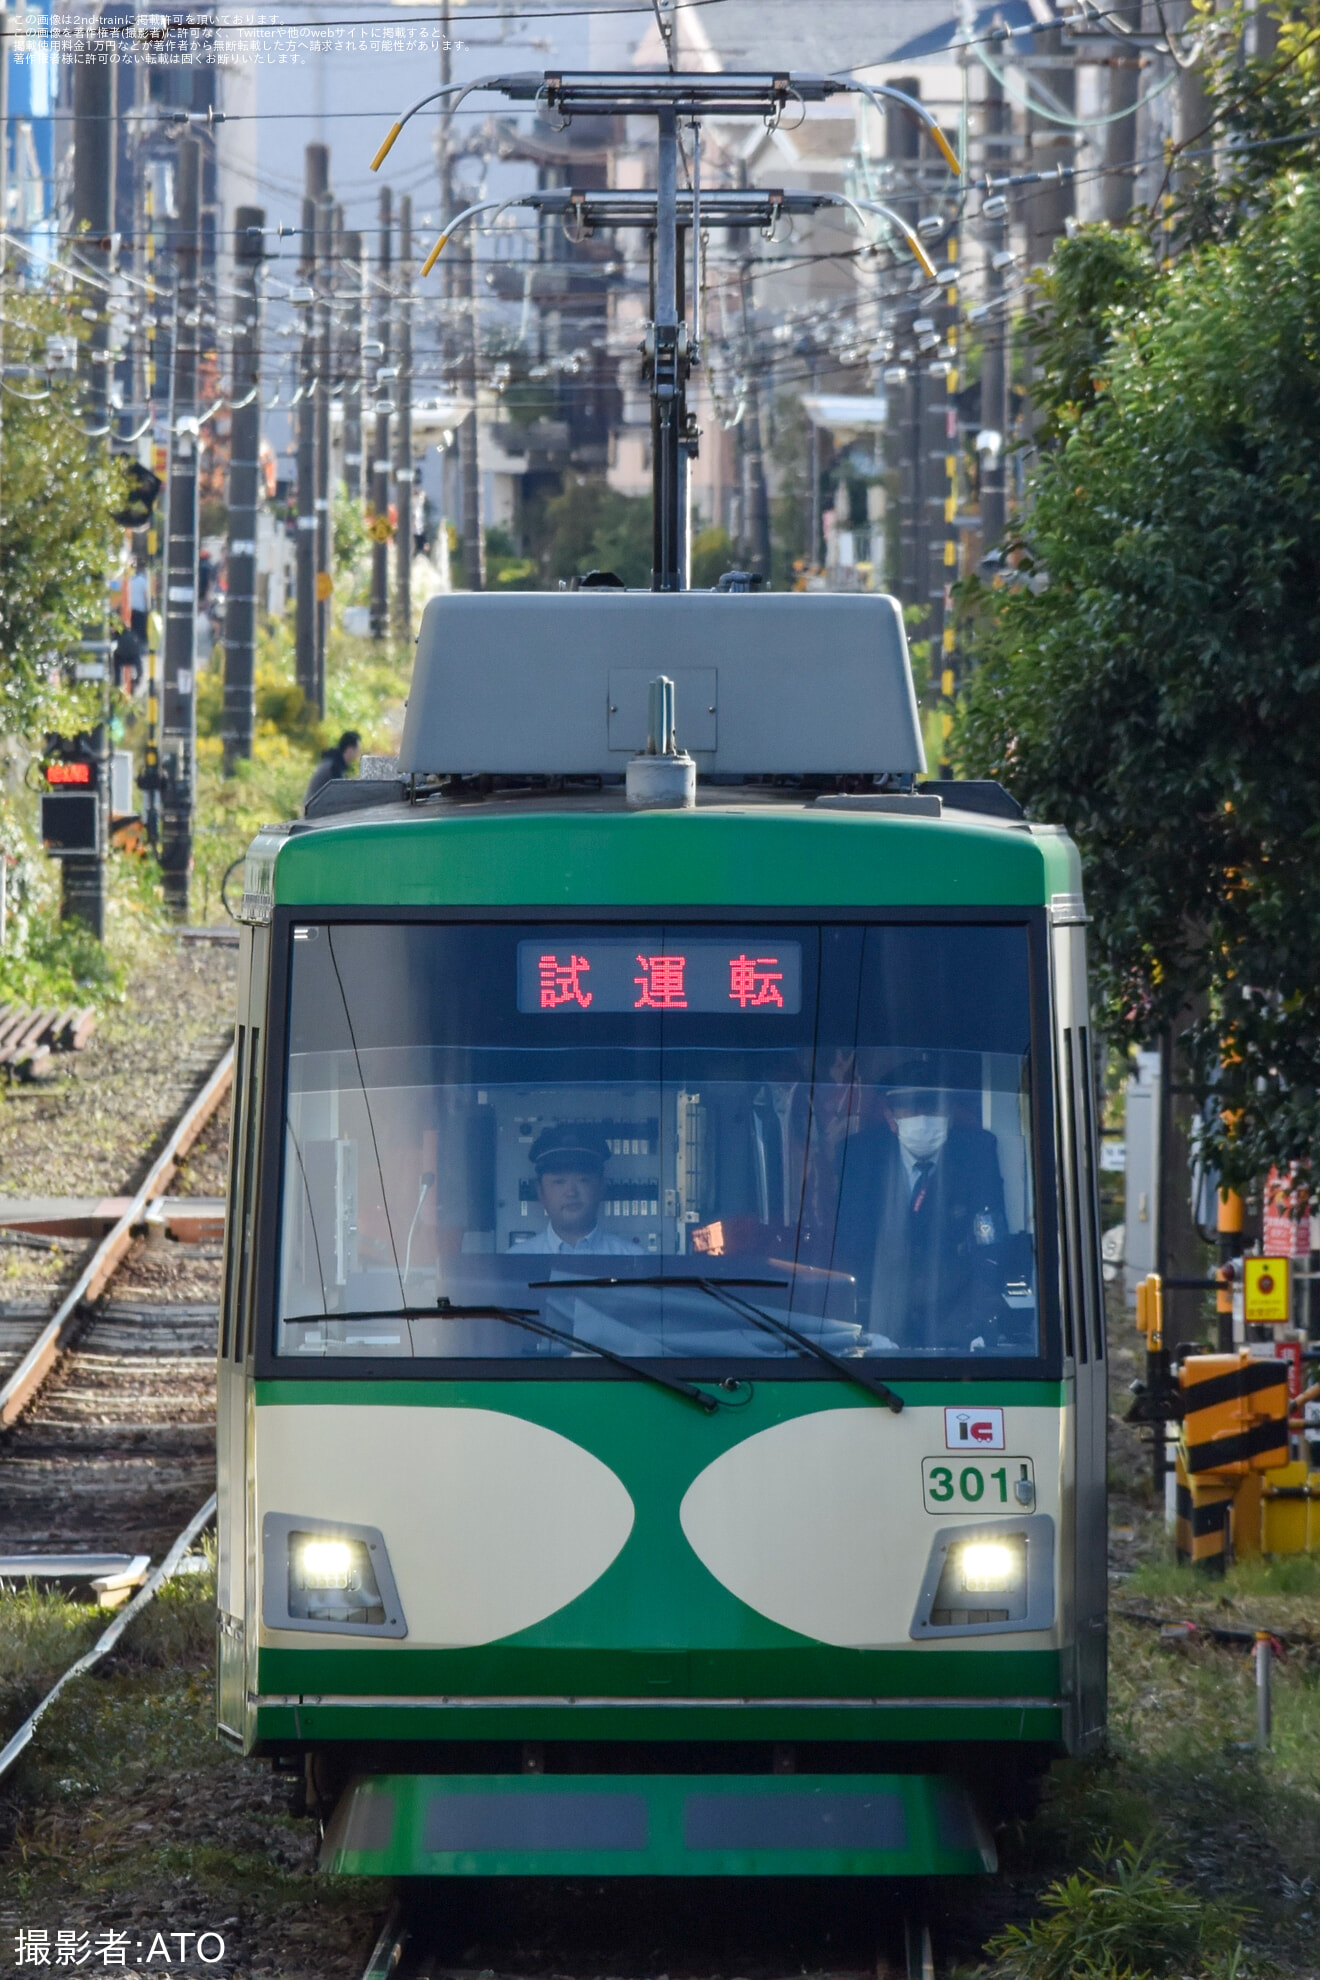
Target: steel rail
<point>387,1953</point>
<point>20,1387</point>
<point>106,1642</point>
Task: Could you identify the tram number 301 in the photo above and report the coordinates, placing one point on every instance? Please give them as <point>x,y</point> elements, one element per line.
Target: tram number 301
<point>987,1487</point>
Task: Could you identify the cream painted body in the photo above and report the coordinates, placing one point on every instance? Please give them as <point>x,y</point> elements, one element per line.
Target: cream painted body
<point>492,1523</point>
<point>820,1523</point>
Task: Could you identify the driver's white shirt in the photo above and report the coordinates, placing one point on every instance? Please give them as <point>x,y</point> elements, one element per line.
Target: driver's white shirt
<point>597,1243</point>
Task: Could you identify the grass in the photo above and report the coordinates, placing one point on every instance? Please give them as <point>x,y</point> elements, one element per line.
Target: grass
<point>40,1635</point>
<point>1126,1917</point>
<point>126,1814</point>
<point>49,961</point>
<point>1179,1795</point>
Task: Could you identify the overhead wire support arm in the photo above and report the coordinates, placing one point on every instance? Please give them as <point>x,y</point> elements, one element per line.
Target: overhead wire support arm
<point>668,347</point>
<point>879,93</point>
<point>510,86</point>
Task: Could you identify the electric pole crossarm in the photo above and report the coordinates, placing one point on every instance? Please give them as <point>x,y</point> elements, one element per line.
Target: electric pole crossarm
<point>626,93</point>
<point>721,206</point>
<point>759,207</point>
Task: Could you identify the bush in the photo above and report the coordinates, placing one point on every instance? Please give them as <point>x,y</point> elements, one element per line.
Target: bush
<point>1124,1920</point>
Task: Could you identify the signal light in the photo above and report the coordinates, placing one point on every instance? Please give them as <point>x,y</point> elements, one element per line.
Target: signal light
<point>71,762</point>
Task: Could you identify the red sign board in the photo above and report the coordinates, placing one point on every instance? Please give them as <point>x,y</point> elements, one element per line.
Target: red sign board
<point>609,974</point>
<point>1286,1223</point>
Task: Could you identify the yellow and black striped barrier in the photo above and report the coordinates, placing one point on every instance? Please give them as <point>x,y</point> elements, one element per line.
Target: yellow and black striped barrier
<point>1203,1506</point>
<point>1234,1427</point>
<point>1235,1412</point>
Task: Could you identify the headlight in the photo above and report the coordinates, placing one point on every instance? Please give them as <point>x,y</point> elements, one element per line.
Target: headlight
<point>323,1563</point>
<point>991,1567</point>
<point>995,1576</point>
<point>332,1581</point>
<point>318,1574</point>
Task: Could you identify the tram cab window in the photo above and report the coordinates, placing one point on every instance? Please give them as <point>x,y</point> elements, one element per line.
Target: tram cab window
<point>841,1113</point>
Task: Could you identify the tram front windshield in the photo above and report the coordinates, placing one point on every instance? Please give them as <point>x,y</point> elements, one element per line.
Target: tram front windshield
<point>714,1131</point>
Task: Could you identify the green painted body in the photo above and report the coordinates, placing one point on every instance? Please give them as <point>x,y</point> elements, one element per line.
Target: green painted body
<point>736,856</point>
<point>657,1629</point>
<point>381,1826</point>
<point>657,1650</point>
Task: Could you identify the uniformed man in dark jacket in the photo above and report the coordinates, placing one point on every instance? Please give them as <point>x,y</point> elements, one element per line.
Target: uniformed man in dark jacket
<point>921,1219</point>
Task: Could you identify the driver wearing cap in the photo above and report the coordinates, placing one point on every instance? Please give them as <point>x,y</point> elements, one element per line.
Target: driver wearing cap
<point>569,1160</point>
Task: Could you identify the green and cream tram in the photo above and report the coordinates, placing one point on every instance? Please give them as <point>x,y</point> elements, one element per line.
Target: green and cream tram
<point>661,1382</point>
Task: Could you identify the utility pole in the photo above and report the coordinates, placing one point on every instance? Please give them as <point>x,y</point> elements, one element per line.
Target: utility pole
<point>665,363</point>
<point>460,294</point>
<point>469,462</point>
<point>444,165</point>
<point>95,131</point>
<point>158,345</point>
<point>756,504</point>
<point>380,459</point>
<point>403,446</point>
<point>994,361</point>
<point>353,385</point>
<point>906,396</point>
<point>1121,131</point>
<point>179,723</point>
<point>244,453</point>
<point>944,565</point>
<point>4,138</point>
<point>305,616</point>
<point>318,171</point>
<point>1050,205</point>
<point>1191,108</point>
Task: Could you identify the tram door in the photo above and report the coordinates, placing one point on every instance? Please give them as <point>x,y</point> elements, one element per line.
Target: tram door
<point>1084,1317</point>
<point>236,1592</point>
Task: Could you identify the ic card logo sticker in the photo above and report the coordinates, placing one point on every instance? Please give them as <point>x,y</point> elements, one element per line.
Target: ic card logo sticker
<point>973,1429</point>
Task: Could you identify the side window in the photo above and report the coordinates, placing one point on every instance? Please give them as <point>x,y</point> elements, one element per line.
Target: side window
<point>229,1295</point>
<point>246,1197</point>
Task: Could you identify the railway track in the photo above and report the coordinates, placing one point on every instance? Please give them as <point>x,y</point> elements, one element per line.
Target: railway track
<point>107,1397</point>
<point>409,1947</point>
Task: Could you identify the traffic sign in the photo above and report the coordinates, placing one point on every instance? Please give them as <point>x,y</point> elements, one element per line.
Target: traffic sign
<point>325,585</point>
<point>1265,1291</point>
<point>380,529</point>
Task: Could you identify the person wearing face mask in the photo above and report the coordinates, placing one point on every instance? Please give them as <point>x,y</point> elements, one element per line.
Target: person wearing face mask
<point>921,1218</point>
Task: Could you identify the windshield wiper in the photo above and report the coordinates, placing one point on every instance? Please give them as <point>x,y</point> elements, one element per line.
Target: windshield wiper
<point>517,1316</point>
<point>719,1289</point>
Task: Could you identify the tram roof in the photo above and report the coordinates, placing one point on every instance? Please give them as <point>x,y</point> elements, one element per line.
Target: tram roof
<point>736,849</point>
<point>557,683</point>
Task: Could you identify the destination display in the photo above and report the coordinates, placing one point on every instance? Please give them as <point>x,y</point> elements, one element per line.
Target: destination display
<point>613,975</point>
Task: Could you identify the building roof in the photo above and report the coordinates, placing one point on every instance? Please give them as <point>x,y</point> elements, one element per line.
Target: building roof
<point>821,37</point>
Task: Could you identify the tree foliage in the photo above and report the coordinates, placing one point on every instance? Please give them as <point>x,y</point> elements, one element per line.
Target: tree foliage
<point>1263,117</point>
<point>1152,679</point>
<point>591,526</point>
<point>55,527</point>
